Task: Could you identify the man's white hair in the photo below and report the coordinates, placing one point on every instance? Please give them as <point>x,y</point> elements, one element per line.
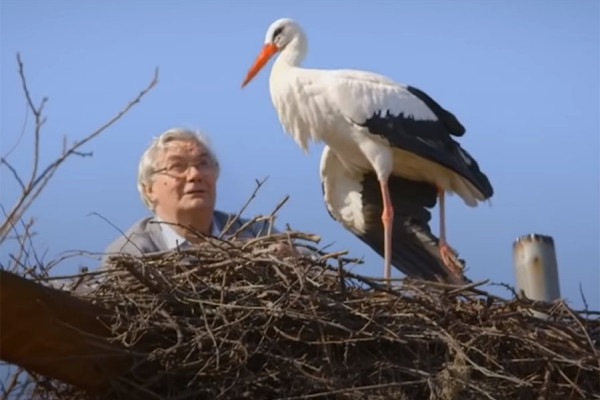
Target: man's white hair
<point>159,145</point>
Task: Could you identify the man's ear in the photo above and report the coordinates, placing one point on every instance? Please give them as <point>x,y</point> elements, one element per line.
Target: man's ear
<point>149,193</point>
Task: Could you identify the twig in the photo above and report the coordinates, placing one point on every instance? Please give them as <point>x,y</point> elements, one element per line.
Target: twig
<point>275,211</point>
<point>14,172</point>
<point>117,228</point>
<point>233,220</point>
<point>468,287</point>
<point>8,391</point>
<point>583,299</point>
<point>355,389</point>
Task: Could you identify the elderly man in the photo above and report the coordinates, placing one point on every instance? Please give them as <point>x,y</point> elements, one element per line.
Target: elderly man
<point>177,178</point>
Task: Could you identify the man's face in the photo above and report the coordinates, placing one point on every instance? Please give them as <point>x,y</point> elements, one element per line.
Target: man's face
<point>184,181</point>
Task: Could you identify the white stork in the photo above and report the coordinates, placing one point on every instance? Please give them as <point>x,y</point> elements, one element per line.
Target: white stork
<point>371,124</point>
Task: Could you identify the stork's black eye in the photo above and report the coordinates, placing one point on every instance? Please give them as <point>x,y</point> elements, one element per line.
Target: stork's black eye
<point>277,32</point>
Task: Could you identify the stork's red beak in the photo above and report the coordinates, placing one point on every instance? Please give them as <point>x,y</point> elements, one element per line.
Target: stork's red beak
<point>267,52</point>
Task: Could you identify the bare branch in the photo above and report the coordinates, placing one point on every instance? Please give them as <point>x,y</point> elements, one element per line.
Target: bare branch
<point>116,227</point>
<point>20,237</point>
<point>231,221</point>
<point>36,110</point>
<point>77,145</point>
<point>37,182</point>
<point>23,238</point>
<point>14,172</point>
<point>9,390</point>
<point>39,121</point>
<point>83,153</point>
<point>585,303</point>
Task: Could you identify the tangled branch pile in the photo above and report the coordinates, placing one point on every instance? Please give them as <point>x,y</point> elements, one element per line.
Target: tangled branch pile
<point>231,321</point>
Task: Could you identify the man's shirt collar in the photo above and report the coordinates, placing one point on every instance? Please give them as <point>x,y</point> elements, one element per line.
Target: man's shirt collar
<point>174,240</point>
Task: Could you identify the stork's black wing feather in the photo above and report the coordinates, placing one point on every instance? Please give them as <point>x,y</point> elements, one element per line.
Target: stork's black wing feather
<point>453,126</point>
<point>415,249</point>
<point>427,134</point>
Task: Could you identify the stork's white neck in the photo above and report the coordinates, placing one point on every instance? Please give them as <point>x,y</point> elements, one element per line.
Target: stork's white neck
<point>294,52</point>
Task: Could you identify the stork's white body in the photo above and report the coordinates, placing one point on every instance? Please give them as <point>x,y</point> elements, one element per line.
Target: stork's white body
<point>324,105</point>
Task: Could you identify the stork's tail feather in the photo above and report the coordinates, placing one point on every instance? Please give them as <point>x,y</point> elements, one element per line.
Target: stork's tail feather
<point>475,178</point>
<point>417,254</point>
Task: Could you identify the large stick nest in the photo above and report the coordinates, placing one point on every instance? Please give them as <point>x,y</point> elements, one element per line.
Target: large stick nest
<point>229,320</point>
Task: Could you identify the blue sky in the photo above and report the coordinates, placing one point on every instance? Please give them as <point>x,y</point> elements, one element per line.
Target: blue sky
<point>522,76</point>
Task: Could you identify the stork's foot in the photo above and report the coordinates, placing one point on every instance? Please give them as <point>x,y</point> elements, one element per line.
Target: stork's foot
<point>452,262</point>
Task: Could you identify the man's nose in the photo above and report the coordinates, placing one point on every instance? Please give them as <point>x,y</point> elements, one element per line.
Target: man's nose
<point>194,172</point>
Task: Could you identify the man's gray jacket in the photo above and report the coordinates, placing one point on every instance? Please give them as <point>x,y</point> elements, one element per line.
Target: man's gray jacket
<point>145,236</point>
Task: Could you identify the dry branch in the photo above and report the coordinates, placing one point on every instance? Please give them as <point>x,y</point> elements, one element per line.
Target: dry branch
<point>37,181</point>
<point>229,320</point>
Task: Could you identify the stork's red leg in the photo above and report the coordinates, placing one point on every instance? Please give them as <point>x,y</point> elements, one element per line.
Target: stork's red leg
<point>387,217</point>
<point>448,255</point>
<point>441,194</point>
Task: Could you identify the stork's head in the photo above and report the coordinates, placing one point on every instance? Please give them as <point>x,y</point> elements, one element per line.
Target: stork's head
<point>280,33</point>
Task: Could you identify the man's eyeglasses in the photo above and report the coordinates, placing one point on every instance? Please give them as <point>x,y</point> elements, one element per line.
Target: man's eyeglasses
<point>181,168</point>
